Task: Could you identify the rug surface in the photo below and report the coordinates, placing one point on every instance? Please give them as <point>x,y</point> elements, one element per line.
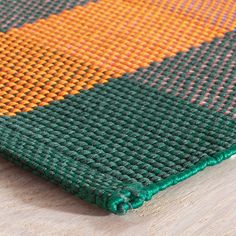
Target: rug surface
<point>116,100</point>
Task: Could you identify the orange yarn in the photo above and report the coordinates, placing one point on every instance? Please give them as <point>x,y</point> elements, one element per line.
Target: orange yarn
<point>76,49</point>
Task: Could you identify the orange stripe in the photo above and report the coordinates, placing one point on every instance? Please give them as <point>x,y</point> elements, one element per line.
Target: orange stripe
<point>65,53</point>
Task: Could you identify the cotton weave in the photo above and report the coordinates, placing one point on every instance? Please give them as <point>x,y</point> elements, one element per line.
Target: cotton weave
<point>116,100</point>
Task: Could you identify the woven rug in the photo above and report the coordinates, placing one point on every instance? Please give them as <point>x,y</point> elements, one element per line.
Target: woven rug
<point>116,100</point>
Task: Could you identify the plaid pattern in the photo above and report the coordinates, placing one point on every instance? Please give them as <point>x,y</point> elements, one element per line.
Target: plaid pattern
<point>117,100</point>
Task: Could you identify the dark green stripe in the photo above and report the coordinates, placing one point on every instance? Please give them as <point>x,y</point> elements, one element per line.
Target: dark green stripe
<point>115,140</point>
<point>15,13</point>
<point>190,74</point>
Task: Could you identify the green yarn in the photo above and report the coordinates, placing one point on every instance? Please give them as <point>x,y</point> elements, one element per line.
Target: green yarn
<point>118,144</point>
<point>206,73</point>
<point>17,13</point>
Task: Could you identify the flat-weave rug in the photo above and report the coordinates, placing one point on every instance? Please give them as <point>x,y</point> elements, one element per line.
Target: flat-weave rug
<point>116,100</point>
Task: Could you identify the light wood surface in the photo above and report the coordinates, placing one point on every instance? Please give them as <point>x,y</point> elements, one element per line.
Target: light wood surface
<point>202,205</point>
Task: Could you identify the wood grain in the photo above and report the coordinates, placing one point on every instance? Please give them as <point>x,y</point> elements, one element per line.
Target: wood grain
<point>202,205</point>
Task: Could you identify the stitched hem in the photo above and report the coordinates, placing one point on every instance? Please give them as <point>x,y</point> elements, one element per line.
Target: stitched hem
<point>133,196</point>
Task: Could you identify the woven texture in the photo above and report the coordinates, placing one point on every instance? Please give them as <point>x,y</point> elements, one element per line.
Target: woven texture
<point>117,100</point>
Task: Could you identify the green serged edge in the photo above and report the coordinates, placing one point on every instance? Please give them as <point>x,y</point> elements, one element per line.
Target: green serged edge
<point>135,195</point>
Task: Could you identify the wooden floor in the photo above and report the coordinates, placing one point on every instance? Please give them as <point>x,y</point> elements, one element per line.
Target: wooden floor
<point>202,205</point>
